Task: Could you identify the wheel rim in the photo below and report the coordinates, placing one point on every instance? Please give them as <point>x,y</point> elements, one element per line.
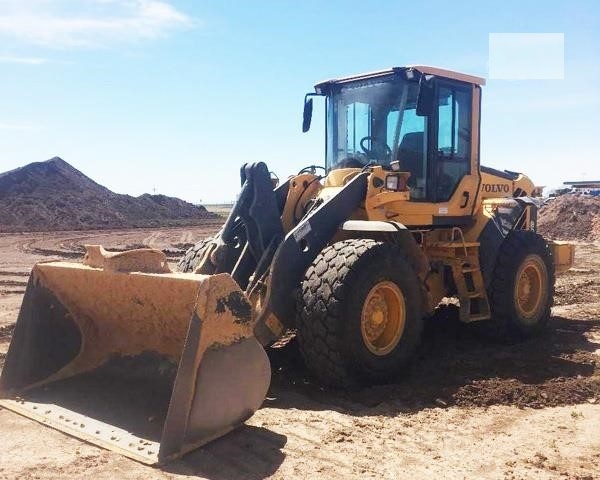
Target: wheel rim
<point>530,287</point>
<point>383,318</point>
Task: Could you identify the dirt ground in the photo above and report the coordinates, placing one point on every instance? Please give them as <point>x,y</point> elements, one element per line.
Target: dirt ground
<point>465,409</point>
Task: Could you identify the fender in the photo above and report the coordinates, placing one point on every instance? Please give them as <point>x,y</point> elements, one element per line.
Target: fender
<point>372,226</point>
<point>506,217</point>
<point>399,234</point>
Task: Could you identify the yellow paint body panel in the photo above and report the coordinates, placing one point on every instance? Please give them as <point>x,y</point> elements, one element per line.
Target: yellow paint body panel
<point>493,186</point>
<point>563,254</point>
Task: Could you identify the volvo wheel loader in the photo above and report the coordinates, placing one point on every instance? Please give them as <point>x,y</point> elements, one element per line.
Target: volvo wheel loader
<point>352,255</point>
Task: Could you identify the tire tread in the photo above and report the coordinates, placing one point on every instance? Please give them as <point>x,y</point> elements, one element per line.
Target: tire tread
<point>325,289</point>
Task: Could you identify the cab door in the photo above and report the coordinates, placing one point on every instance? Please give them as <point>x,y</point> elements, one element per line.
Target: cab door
<point>453,173</point>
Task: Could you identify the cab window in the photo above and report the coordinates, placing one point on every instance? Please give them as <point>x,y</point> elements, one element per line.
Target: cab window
<point>453,140</point>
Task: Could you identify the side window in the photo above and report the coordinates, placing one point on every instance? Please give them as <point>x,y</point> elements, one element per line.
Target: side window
<point>446,137</point>
<point>358,125</point>
<point>454,140</point>
<point>391,123</point>
<point>411,123</point>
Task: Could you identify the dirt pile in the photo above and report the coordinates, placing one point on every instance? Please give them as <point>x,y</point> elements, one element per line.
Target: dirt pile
<point>454,366</point>
<point>53,195</point>
<point>571,217</point>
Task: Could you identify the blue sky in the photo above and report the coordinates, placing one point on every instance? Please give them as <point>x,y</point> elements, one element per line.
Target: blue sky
<point>176,95</point>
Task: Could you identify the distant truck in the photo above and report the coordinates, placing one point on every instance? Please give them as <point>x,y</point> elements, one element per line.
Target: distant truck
<point>586,187</point>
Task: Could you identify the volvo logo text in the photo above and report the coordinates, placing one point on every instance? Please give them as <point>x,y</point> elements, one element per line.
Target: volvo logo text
<point>496,188</point>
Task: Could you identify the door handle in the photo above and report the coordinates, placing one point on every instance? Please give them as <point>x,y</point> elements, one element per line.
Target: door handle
<point>466,196</point>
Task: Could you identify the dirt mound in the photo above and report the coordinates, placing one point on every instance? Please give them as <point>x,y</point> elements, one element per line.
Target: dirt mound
<point>571,217</point>
<point>53,195</point>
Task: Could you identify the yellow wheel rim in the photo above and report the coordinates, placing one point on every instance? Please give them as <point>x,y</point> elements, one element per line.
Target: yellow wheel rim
<point>530,287</point>
<point>383,318</point>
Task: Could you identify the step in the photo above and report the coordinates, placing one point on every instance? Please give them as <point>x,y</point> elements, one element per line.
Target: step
<point>474,294</point>
<point>454,244</point>
<point>471,269</point>
<point>478,317</point>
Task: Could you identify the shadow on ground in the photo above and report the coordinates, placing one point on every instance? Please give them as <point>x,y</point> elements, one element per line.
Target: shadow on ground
<point>248,452</point>
<point>456,367</point>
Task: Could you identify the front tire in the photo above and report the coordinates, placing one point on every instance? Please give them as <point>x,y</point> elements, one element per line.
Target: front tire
<point>522,288</point>
<point>360,316</point>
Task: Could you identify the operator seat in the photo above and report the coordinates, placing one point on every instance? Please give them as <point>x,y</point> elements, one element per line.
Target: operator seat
<point>410,155</point>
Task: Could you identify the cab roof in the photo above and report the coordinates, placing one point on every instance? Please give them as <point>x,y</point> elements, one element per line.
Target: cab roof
<point>425,69</point>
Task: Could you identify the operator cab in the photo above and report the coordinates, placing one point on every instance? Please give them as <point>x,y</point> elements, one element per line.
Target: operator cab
<point>382,117</point>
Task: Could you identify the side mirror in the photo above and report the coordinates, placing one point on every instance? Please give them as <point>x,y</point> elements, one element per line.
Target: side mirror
<point>426,96</point>
<point>307,115</point>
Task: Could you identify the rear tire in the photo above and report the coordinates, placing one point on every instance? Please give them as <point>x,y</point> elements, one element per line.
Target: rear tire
<point>359,313</point>
<point>192,257</point>
<point>522,288</point>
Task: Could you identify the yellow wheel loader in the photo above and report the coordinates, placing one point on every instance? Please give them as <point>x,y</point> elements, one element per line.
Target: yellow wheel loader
<point>124,353</point>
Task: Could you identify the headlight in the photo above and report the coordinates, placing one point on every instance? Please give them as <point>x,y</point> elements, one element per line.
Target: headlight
<point>396,182</point>
<point>392,182</point>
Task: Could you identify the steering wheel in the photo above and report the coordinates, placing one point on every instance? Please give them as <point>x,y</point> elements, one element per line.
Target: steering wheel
<point>379,149</point>
<point>312,169</point>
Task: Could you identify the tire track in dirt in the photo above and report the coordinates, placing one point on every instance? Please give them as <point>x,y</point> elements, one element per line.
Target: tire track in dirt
<point>152,239</point>
<point>12,283</point>
<point>186,237</point>
<point>29,247</point>
<point>7,273</point>
<point>72,248</point>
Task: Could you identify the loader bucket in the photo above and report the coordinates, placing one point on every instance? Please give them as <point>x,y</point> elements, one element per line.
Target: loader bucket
<point>151,365</point>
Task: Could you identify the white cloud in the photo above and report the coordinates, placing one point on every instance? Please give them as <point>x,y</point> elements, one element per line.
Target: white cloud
<point>23,60</point>
<point>88,23</point>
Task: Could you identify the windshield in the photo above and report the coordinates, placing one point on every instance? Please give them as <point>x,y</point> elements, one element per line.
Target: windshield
<point>368,122</point>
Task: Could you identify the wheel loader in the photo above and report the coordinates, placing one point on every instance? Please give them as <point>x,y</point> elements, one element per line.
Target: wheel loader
<point>352,255</point>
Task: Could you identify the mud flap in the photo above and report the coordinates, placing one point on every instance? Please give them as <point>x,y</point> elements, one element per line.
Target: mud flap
<point>151,365</point>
